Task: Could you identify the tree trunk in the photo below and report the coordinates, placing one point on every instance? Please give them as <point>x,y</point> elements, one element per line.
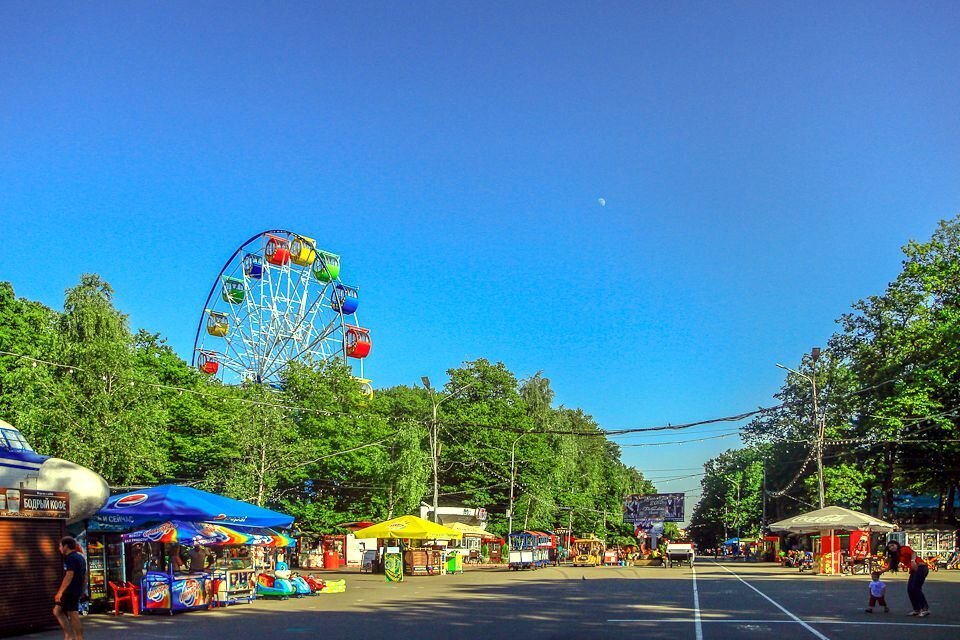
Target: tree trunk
<point>261,472</point>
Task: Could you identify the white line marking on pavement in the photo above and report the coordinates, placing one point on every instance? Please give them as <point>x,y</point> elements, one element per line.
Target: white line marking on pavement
<point>777,605</point>
<point>696,606</point>
<point>781,621</point>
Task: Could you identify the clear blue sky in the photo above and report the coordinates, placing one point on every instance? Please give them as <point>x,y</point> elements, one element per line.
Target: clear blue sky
<point>761,163</point>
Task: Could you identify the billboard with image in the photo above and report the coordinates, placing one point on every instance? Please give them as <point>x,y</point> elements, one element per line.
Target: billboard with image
<point>667,507</point>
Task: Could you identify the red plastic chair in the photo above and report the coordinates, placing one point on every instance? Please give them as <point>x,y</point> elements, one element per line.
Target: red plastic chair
<point>123,594</point>
<point>136,592</point>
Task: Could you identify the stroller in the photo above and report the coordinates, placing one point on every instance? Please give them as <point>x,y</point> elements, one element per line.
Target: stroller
<point>806,562</point>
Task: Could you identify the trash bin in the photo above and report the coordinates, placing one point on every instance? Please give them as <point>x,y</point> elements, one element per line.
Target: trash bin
<point>331,560</point>
<point>454,563</point>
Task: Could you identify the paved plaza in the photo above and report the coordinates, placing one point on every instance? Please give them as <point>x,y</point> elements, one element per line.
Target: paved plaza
<point>716,600</point>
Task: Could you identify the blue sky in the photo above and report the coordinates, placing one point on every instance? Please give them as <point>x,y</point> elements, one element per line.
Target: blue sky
<point>761,163</point>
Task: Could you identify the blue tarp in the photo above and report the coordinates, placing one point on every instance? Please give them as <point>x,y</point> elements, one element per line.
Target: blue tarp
<point>175,502</point>
<point>733,541</point>
<point>904,501</point>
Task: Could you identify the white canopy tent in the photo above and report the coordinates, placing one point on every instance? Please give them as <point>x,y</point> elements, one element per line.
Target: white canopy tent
<point>831,518</point>
<point>828,520</point>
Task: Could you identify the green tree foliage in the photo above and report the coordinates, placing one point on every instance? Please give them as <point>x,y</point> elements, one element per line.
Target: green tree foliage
<point>888,395</point>
<point>96,409</point>
<point>731,505</point>
<point>128,406</point>
<point>26,328</point>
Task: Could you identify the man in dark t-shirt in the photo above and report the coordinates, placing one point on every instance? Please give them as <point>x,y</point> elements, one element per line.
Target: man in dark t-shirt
<point>67,600</point>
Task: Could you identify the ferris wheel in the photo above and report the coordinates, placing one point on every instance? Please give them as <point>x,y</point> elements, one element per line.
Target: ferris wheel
<point>278,299</point>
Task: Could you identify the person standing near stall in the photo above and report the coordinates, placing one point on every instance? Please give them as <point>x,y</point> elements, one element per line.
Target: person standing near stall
<point>176,561</point>
<point>67,599</point>
<point>906,557</point>
<point>198,557</point>
<point>138,561</point>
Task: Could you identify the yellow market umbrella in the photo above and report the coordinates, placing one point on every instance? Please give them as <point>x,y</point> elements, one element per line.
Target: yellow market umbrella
<point>470,530</point>
<point>409,527</point>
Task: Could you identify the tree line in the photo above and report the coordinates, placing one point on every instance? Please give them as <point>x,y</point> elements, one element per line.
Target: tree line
<point>888,403</point>
<point>82,385</point>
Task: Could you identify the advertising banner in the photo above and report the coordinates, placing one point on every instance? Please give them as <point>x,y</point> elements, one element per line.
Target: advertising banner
<point>189,593</point>
<point>666,507</point>
<point>29,503</point>
<point>393,565</point>
<point>157,594</point>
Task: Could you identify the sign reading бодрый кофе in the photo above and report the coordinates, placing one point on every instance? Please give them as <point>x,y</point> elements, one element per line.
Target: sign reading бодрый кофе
<point>30,503</point>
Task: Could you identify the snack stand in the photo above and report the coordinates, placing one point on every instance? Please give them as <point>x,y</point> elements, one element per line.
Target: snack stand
<point>31,567</point>
<point>228,582</point>
<point>827,523</point>
<point>236,568</point>
<point>334,551</point>
<point>420,559</point>
<point>186,516</point>
<point>470,547</point>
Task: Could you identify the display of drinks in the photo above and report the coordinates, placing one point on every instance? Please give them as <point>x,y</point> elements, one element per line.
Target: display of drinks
<point>13,500</point>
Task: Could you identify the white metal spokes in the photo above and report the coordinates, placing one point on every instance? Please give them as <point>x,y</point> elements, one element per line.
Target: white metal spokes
<point>285,315</point>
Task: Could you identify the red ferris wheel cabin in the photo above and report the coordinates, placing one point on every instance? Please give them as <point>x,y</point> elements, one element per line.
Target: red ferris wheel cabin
<point>357,341</point>
<point>277,250</point>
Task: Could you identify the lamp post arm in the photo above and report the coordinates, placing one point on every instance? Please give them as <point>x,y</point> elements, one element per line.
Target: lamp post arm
<point>456,392</point>
<point>435,440</point>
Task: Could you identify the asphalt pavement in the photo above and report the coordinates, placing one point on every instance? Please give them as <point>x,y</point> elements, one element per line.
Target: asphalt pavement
<point>714,600</point>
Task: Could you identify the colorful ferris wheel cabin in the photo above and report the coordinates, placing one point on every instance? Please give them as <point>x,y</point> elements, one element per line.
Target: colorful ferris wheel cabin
<point>344,299</point>
<point>366,389</point>
<point>357,341</point>
<point>277,251</point>
<point>232,290</point>
<point>217,323</point>
<point>253,266</point>
<point>303,251</point>
<point>208,362</point>
<point>326,268</point>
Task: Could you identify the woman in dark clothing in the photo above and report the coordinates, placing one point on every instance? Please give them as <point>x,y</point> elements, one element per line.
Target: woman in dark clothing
<point>904,556</point>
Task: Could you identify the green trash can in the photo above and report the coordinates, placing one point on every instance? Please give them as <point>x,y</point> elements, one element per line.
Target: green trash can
<point>454,563</point>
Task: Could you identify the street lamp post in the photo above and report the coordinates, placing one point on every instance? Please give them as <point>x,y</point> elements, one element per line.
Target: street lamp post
<point>435,437</point>
<point>817,422</point>
<point>513,478</point>
<point>569,526</point>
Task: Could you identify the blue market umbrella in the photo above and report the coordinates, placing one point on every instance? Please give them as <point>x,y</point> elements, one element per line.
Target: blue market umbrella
<point>186,504</point>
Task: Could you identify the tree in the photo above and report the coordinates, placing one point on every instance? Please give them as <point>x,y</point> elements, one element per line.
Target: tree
<point>95,409</point>
<point>732,500</point>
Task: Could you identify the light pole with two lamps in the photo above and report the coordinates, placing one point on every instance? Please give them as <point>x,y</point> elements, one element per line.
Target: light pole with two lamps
<point>569,526</point>
<point>513,478</point>
<point>435,436</point>
<point>817,422</point>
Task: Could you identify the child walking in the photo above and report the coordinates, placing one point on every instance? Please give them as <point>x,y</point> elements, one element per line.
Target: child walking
<point>878,591</point>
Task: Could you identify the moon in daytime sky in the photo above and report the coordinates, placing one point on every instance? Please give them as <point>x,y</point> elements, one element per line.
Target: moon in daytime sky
<point>602,202</point>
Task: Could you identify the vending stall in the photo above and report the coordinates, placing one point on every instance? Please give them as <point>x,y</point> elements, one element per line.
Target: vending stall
<point>334,550</point>
<point>31,525</point>
<point>471,546</point>
<point>161,519</point>
<point>827,524</point>
<point>421,554</point>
